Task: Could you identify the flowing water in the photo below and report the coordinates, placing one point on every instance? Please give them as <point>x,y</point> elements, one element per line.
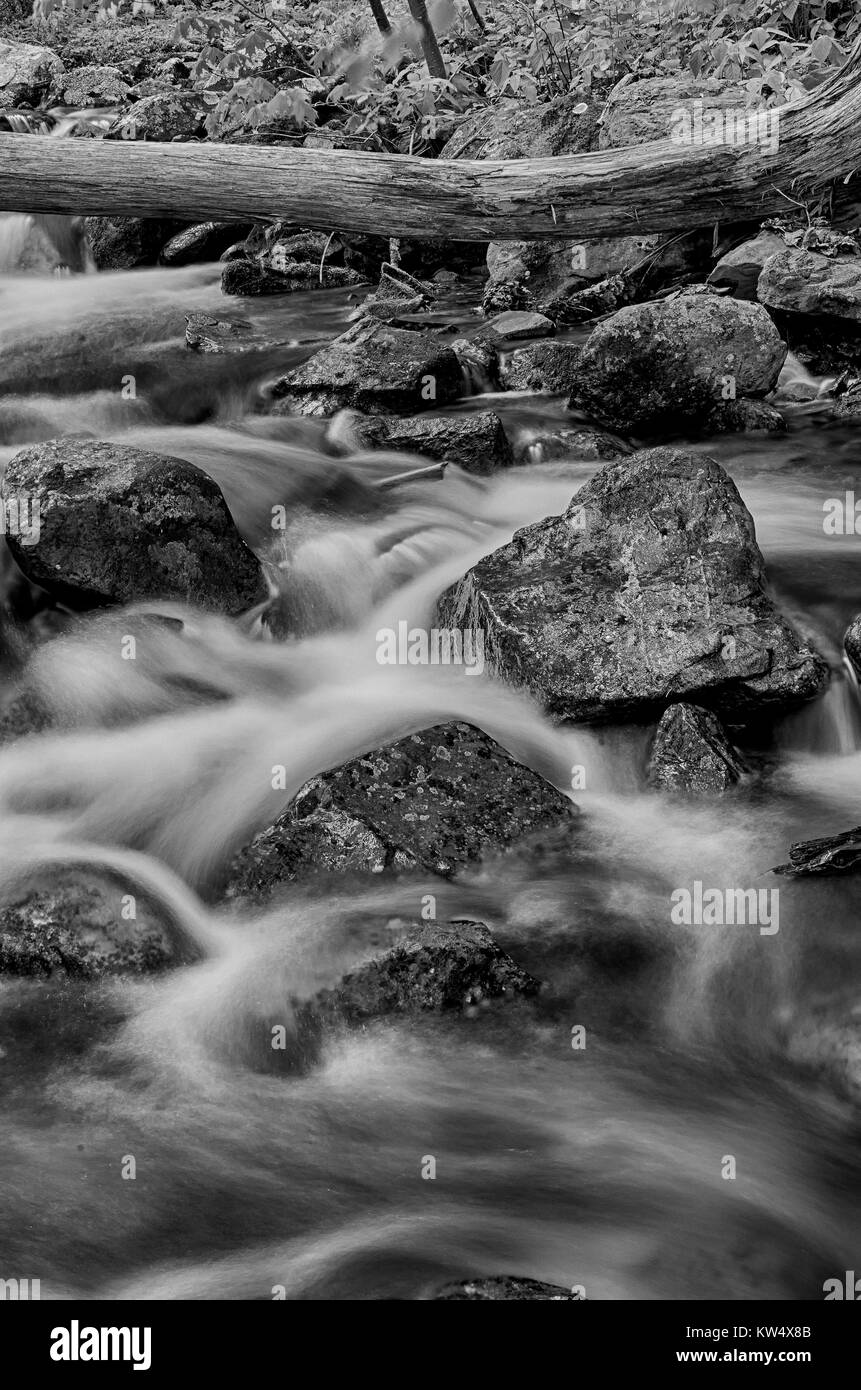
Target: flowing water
<point>601,1166</point>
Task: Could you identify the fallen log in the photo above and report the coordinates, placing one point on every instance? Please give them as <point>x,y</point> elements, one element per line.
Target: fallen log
<point>658,187</point>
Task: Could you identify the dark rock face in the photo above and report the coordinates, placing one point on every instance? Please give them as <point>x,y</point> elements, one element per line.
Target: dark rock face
<point>833,854</point>
<point>117,524</point>
<point>505,1287</point>
<point>124,243</point>
<point>652,365</point>
<point>691,753</point>
<point>852,644</point>
<point>541,275</point>
<point>436,966</point>
<point>437,800</point>
<point>77,929</point>
<point>739,270</point>
<point>250,278</point>
<point>649,587</point>
<point>805,282</point>
<point>541,367</point>
<point>203,242</point>
<point>376,369</point>
<point>163,116</point>
<point>476,442</point>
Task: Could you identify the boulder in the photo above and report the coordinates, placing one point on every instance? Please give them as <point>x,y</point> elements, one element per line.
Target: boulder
<point>505,1288</point>
<point>525,130</point>
<point>76,928</point>
<point>805,282</point>
<point>650,366</point>
<point>375,369</point>
<point>164,116</point>
<point>550,367</point>
<point>124,243</point>
<point>852,640</point>
<point>637,113</point>
<point>570,444</point>
<point>539,275</point>
<point>691,753</point>
<point>250,278</point>
<point>433,967</point>
<point>117,524</point>
<point>203,242</point>
<point>28,71</point>
<point>739,270</point>
<point>95,85</point>
<point>476,442</point>
<point>514,324</point>
<point>437,800</point>
<point>649,586</point>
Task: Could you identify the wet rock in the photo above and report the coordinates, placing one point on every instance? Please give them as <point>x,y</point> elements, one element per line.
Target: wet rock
<point>244,277</point>
<point>505,1287</point>
<point>117,524</point>
<point>833,854</point>
<point>848,403</point>
<point>163,116</point>
<point>435,966</point>
<point>203,242</point>
<point>479,362</point>
<point>739,270</point>
<point>397,296</point>
<point>805,282</point>
<point>77,928</point>
<point>124,243</point>
<point>375,369</point>
<point>437,800</point>
<point>207,334</point>
<point>653,365</point>
<point>744,416</point>
<point>852,644</point>
<point>537,275</point>
<point>691,753</point>
<point>550,367</point>
<point>573,443</point>
<point>508,327</point>
<point>27,73</point>
<point>639,112</point>
<point>520,130</point>
<point>477,442</point>
<point>95,85</point>
<point>649,587</point>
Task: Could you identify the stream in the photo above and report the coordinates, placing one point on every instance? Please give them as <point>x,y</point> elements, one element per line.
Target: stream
<point>599,1166</point>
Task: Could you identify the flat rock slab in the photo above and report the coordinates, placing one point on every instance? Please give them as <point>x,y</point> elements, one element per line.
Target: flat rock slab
<point>833,854</point>
<point>117,524</point>
<point>691,753</point>
<point>649,588</point>
<point>437,800</point>
<point>376,369</point>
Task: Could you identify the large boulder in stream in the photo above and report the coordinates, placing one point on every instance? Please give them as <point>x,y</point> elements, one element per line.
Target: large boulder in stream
<point>805,282</point>
<point>654,366</point>
<point>650,587</point>
<point>116,524</point>
<point>376,369</point>
<point>27,73</point>
<point>126,243</point>
<point>436,800</point>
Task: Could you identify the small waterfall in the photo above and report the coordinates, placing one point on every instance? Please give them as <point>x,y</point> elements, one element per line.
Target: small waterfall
<point>832,724</point>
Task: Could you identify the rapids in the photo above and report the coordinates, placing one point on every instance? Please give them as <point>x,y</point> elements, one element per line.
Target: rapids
<point>599,1167</point>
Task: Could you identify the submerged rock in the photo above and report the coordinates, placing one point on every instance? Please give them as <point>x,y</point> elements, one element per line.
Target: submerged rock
<point>435,966</point>
<point>117,524</point>
<point>691,753</point>
<point>654,365</point>
<point>27,72</point>
<point>376,369</point>
<point>476,442</point>
<point>211,336</point>
<point>572,443</point>
<point>505,1287</point>
<point>649,587</point>
<point>436,800</point>
<point>805,282</point>
<point>78,928</point>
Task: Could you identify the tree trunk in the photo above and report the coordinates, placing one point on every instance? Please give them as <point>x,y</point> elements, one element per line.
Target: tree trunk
<point>381,17</point>
<point>476,14</point>
<point>430,47</point>
<point>660,187</point>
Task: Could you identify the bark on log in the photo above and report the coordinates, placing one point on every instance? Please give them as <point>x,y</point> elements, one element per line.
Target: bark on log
<point>660,187</point>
